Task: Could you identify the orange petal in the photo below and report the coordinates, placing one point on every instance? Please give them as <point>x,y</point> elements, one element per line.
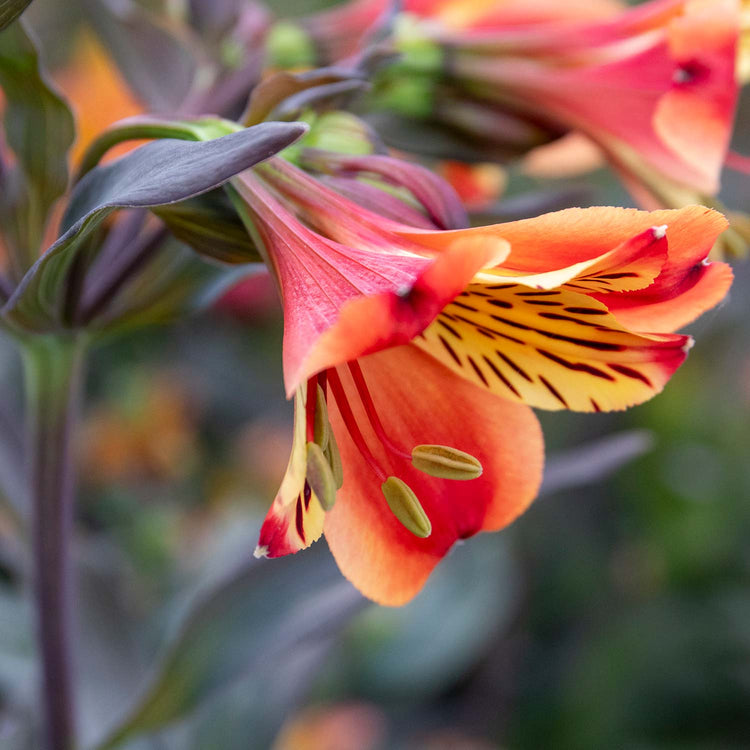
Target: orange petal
<point>420,401</point>
<point>564,238</point>
<point>695,118</point>
<point>369,323</point>
<point>634,264</point>
<point>670,308</point>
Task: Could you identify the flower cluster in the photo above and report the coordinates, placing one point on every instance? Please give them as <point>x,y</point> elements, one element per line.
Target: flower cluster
<point>652,88</point>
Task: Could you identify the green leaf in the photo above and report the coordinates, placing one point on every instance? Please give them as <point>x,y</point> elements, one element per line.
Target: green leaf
<point>262,615</point>
<point>10,10</point>
<point>159,173</point>
<point>210,225</point>
<point>39,130</point>
<point>176,282</point>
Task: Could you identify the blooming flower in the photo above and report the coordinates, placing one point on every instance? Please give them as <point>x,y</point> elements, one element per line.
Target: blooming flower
<point>413,354</point>
<point>654,87</point>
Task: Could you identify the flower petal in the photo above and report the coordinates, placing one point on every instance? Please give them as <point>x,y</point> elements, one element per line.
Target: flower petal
<point>634,264</point>
<point>419,401</point>
<point>555,349</point>
<point>564,238</point>
<point>369,323</point>
<point>695,117</point>
<point>295,519</point>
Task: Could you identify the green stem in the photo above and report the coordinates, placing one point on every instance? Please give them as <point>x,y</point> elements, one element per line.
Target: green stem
<point>53,368</point>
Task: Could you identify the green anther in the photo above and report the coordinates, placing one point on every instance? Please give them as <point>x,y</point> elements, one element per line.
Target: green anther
<point>406,507</point>
<point>322,426</point>
<point>320,477</point>
<point>445,462</point>
<point>334,460</point>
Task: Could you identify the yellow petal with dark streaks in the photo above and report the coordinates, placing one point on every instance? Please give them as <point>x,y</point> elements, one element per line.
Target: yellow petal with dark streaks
<point>295,519</point>
<point>552,349</point>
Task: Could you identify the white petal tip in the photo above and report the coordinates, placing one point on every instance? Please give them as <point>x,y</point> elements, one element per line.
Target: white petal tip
<point>689,344</point>
<point>261,551</point>
<point>659,232</point>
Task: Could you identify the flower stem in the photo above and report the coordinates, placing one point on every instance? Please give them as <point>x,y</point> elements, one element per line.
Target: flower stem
<point>53,369</point>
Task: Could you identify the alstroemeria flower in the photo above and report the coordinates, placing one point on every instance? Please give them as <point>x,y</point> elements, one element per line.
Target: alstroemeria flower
<point>413,354</point>
<point>654,86</point>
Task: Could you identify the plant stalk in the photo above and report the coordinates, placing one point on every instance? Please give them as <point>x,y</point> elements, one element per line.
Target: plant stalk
<point>53,370</point>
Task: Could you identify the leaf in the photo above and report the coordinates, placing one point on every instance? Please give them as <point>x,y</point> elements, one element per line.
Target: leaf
<point>594,461</point>
<point>260,615</point>
<point>211,227</point>
<point>10,10</point>
<point>159,173</point>
<point>39,130</point>
<point>388,650</point>
<point>141,127</point>
<point>175,283</point>
<point>274,90</point>
<point>157,65</point>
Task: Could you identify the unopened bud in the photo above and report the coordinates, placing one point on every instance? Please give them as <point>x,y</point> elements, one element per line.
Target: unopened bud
<point>320,477</point>
<point>406,507</point>
<point>334,460</point>
<point>445,462</point>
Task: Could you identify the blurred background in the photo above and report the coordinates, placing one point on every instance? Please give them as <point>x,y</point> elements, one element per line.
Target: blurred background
<point>614,614</point>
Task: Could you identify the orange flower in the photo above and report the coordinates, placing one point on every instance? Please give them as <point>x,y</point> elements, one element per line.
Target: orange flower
<point>654,86</point>
<point>413,354</point>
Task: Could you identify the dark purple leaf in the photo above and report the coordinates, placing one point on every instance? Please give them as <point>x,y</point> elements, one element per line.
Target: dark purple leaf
<point>594,461</point>
<point>39,130</point>
<point>159,173</point>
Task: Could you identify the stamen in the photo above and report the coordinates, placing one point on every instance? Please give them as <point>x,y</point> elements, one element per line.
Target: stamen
<point>406,507</point>
<point>351,423</point>
<point>445,462</point>
<point>372,414</point>
<point>320,476</point>
<point>310,403</point>
<point>322,427</point>
<point>334,460</point>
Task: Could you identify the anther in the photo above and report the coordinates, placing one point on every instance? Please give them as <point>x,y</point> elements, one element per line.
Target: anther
<point>322,426</point>
<point>320,476</point>
<point>406,507</point>
<point>334,460</point>
<point>445,462</point>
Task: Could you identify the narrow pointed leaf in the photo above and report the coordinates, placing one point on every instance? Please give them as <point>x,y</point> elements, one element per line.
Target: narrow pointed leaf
<point>211,227</point>
<point>175,283</point>
<point>157,65</point>
<point>139,127</point>
<point>10,10</point>
<point>159,173</point>
<point>593,462</point>
<point>39,130</point>
<point>251,622</point>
